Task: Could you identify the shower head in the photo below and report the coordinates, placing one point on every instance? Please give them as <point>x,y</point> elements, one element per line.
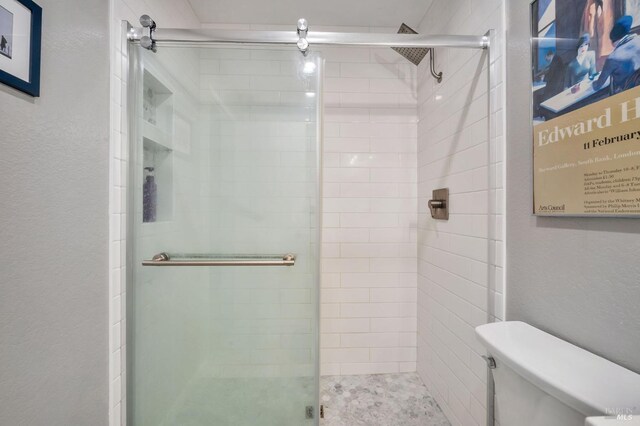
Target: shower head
<point>416,54</point>
<point>413,54</point>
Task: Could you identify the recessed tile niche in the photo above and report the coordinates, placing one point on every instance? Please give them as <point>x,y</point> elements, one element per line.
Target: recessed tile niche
<point>157,131</point>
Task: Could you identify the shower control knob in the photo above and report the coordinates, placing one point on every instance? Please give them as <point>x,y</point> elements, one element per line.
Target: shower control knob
<point>439,204</point>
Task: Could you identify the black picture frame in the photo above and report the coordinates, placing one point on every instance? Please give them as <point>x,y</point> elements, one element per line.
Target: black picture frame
<point>31,87</point>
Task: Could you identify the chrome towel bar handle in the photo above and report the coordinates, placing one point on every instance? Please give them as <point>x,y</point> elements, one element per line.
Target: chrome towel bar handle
<point>165,259</point>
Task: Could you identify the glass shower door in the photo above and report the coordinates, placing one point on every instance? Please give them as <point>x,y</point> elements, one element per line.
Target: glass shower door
<point>222,297</point>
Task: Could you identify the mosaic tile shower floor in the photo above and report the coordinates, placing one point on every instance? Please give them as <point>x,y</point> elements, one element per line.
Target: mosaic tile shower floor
<point>366,400</point>
<point>379,400</point>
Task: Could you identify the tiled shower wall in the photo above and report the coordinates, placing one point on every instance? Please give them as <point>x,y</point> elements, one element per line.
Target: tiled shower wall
<point>369,256</point>
<point>261,118</point>
<point>176,13</point>
<point>368,267</point>
<point>460,146</point>
<point>368,288</point>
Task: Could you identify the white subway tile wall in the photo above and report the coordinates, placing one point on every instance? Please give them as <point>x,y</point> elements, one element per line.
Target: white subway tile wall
<point>460,146</point>
<point>261,115</point>
<point>369,275</point>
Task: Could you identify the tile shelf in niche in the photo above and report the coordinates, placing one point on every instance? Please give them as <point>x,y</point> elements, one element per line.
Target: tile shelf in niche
<point>157,108</point>
<point>156,134</point>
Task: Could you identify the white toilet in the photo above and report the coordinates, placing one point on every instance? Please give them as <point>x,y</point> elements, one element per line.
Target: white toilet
<point>541,380</point>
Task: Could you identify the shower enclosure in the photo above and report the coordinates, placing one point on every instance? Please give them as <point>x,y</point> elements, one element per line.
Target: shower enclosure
<point>224,222</point>
<point>223,279</point>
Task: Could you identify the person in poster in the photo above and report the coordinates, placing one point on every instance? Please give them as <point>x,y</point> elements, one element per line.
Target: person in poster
<point>624,62</point>
<point>583,65</point>
<point>597,21</point>
<point>554,75</point>
<point>568,45</point>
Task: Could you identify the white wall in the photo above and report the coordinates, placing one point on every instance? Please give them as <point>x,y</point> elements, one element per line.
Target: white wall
<point>368,289</point>
<point>576,278</point>
<point>459,260</point>
<point>54,227</point>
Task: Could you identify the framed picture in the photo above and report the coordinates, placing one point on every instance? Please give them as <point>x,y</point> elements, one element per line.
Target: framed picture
<point>20,38</point>
<point>585,75</point>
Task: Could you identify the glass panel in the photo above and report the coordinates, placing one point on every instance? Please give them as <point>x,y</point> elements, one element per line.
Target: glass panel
<point>224,166</point>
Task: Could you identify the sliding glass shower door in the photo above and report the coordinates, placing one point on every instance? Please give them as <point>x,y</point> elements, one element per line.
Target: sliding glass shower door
<point>222,296</point>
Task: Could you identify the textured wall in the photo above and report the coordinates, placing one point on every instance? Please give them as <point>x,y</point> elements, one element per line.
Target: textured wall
<point>578,279</point>
<point>54,227</point>
<point>460,260</point>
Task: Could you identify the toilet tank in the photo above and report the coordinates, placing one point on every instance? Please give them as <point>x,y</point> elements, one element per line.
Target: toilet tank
<point>541,380</point>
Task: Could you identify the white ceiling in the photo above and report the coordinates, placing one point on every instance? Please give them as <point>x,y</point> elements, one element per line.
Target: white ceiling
<point>376,13</point>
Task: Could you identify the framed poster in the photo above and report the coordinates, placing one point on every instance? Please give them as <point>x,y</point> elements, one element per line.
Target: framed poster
<point>586,107</point>
<point>20,37</point>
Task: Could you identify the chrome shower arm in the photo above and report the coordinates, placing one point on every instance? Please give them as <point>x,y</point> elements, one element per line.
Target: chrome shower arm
<point>432,65</point>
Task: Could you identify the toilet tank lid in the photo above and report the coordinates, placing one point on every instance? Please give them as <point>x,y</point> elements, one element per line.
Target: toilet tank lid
<point>586,382</point>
